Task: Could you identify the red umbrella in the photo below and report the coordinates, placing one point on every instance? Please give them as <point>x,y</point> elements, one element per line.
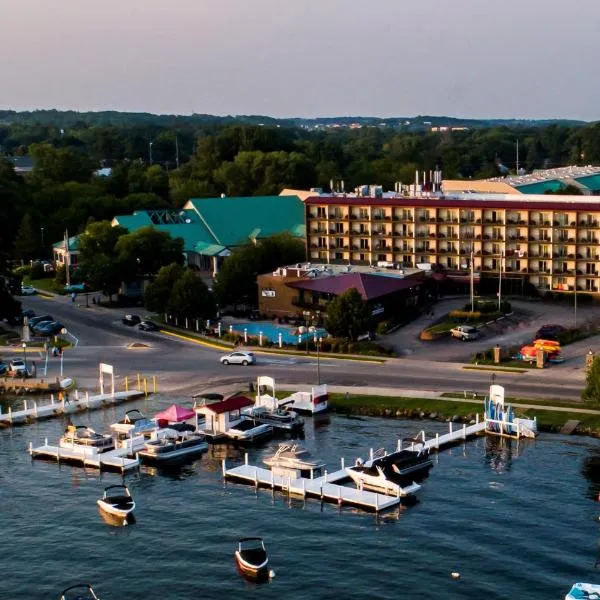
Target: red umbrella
<point>175,413</point>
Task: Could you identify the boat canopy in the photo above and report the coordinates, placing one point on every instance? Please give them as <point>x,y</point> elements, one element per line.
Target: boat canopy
<point>175,414</point>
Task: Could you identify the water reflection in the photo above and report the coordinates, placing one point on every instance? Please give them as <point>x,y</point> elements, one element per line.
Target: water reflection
<point>500,452</point>
<point>591,471</point>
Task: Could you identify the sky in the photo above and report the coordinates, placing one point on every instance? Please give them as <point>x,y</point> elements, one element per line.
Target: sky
<point>307,58</point>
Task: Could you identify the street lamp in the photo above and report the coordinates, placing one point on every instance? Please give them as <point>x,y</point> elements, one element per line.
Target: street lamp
<point>42,230</point>
<point>318,363</point>
<point>150,151</point>
<point>25,355</point>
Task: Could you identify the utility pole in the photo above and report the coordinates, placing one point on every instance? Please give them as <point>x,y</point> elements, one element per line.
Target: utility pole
<point>67,258</point>
<point>575,303</point>
<point>177,152</point>
<point>472,282</point>
<point>500,284</point>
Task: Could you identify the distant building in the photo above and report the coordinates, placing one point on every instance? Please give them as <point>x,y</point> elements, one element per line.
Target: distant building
<point>66,252</point>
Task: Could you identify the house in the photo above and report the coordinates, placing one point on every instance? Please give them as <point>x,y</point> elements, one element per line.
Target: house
<point>212,227</point>
<point>308,288</point>
<point>66,253</point>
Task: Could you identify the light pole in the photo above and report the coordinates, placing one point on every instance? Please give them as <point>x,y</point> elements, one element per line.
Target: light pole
<point>42,230</point>
<point>25,355</point>
<point>150,151</point>
<point>318,363</point>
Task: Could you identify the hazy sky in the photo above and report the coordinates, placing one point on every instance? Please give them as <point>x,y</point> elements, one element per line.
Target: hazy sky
<point>470,58</point>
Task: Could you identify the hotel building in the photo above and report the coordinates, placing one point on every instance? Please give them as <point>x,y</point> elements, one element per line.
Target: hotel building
<point>551,242</point>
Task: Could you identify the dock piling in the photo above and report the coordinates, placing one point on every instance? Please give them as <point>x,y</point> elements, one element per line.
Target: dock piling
<point>246,458</point>
<point>30,447</point>
<point>464,431</point>
<point>76,395</point>
<point>126,383</point>
<point>145,387</point>
<point>154,383</point>
<point>342,462</point>
<point>25,404</point>
<point>437,441</point>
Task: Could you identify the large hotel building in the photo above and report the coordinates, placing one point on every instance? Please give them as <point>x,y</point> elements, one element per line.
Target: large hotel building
<point>551,242</point>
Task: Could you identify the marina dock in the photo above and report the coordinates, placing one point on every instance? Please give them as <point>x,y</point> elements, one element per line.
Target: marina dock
<point>113,460</point>
<point>33,410</point>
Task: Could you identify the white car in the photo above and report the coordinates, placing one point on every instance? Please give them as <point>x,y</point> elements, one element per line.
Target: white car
<point>238,358</point>
<point>17,365</point>
<point>28,290</point>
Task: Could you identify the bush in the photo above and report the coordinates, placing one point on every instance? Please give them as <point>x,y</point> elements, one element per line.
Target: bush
<point>487,305</point>
<point>465,315</point>
<point>383,327</point>
<point>37,271</point>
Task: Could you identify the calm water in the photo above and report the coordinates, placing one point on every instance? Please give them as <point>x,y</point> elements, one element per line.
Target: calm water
<point>516,520</point>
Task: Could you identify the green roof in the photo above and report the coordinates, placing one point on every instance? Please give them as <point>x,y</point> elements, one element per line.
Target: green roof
<point>540,187</point>
<point>209,249</point>
<point>73,243</point>
<point>235,221</point>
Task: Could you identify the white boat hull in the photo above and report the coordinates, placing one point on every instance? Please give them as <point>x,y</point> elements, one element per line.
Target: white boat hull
<point>113,510</point>
<point>584,591</point>
<point>381,484</point>
<point>173,454</point>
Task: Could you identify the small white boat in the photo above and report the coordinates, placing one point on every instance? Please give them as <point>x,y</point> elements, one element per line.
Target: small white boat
<point>81,591</point>
<point>251,558</point>
<point>171,444</point>
<point>117,501</point>
<point>312,402</point>
<point>279,418</point>
<point>584,591</point>
<point>373,478</point>
<point>293,460</point>
<point>247,430</point>
<point>80,436</point>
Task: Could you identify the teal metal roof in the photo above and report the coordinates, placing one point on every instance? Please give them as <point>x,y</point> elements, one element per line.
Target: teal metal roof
<point>209,249</point>
<point>541,187</point>
<point>73,243</point>
<point>234,221</point>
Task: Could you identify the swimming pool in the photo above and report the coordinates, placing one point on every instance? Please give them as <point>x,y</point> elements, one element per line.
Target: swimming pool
<point>271,331</point>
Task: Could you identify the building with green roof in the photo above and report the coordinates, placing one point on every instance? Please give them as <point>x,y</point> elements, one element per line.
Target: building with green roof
<point>212,227</point>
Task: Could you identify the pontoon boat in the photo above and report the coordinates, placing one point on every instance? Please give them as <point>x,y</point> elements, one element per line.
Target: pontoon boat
<point>85,437</point>
<point>584,591</point>
<point>172,444</point>
<point>293,460</point>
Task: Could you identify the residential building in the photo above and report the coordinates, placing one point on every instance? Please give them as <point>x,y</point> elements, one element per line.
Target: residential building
<point>212,227</point>
<point>66,253</point>
<point>293,291</point>
<point>549,242</point>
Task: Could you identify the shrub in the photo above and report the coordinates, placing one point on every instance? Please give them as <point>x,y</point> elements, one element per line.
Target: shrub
<point>382,327</point>
<point>464,314</point>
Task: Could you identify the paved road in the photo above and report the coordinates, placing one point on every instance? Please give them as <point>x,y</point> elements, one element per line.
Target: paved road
<point>186,367</point>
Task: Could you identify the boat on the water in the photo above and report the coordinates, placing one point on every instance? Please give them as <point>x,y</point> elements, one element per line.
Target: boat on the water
<point>312,402</point>
<point>374,478</point>
<point>80,591</point>
<point>117,501</point>
<point>133,430</point>
<point>402,463</point>
<point>251,558</point>
<point>81,436</point>
<point>293,460</point>
<point>172,443</point>
<point>248,430</point>
<point>279,418</point>
<point>584,591</point>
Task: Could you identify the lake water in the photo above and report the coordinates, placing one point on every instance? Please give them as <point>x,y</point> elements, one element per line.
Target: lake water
<point>517,520</point>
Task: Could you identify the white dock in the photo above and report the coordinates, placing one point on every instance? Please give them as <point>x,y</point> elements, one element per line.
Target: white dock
<point>323,487</point>
<point>33,410</point>
<point>113,460</point>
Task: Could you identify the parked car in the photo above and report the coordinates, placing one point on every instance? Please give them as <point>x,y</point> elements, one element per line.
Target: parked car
<point>28,290</point>
<point>131,320</point>
<point>465,333</point>
<point>27,312</point>
<point>35,320</point>
<point>17,365</point>
<point>238,358</point>
<point>75,287</point>
<point>37,327</point>
<point>549,332</point>
<point>49,328</point>
<point>148,326</point>
<point>3,368</point>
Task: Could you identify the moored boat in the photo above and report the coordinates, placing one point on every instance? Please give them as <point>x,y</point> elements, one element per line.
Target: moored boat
<point>117,501</point>
<point>373,478</point>
<point>172,444</point>
<point>248,430</point>
<point>293,460</point>
<point>80,436</point>
<point>584,591</point>
<point>251,558</point>
<point>80,591</point>
<point>279,419</point>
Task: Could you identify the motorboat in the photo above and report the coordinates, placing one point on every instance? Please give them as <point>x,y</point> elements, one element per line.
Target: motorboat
<point>133,430</point>
<point>80,591</point>
<point>584,591</point>
<point>117,501</point>
<point>293,460</point>
<point>402,463</point>
<point>251,558</point>
<point>373,478</point>
<point>279,418</point>
<point>248,430</point>
<point>81,436</point>
<point>171,443</point>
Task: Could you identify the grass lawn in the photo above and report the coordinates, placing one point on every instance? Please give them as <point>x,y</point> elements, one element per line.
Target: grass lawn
<point>45,284</point>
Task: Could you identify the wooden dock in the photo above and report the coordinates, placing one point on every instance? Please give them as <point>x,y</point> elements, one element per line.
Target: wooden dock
<point>328,487</point>
<point>34,411</point>
<point>113,460</point>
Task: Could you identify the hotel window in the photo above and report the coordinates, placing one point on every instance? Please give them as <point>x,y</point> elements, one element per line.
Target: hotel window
<point>339,242</point>
<point>321,213</point>
<point>323,256</point>
<point>495,248</point>
<point>363,213</point>
<point>322,242</point>
<point>363,257</point>
<point>364,244</point>
<point>381,257</point>
<point>339,228</point>
<point>496,233</point>
<point>339,255</point>
<point>590,268</point>
<point>406,214</point>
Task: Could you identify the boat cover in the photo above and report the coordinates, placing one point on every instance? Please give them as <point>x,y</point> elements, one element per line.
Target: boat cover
<point>584,591</point>
<point>175,413</point>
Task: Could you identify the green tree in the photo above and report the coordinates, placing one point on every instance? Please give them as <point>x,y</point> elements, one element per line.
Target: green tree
<point>157,294</point>
<point>236,281</point>
<point>348,315</point>
<point>191,298</point>
<point>60,164</point>
<point>27,243</point>
<point>591,393</point>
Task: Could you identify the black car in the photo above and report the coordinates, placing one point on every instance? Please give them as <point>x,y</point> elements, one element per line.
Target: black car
<point>49,328</point>
<point>35,320</point>
<point>549,332</point>
<point>131,320</point>
<point>148,326</point>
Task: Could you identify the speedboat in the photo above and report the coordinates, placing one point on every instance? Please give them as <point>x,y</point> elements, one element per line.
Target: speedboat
<point>251,558</point>
<point>293,460</point>
<point>117,501</point>
<point>80,436</point>
<point>373,478</point>
<point>81,591</point>
<point>247,430</point>
<point>584,591</point>
<point>402,463</point>
<point>171,444</point>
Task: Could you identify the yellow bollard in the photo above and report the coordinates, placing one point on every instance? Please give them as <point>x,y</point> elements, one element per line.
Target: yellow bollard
<point>126,384</point>
<point>145,386</point>
<point>154,383</point>
<point>139,382</point>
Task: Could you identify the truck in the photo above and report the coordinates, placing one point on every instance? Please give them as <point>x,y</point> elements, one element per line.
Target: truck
<point>465,333</point>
